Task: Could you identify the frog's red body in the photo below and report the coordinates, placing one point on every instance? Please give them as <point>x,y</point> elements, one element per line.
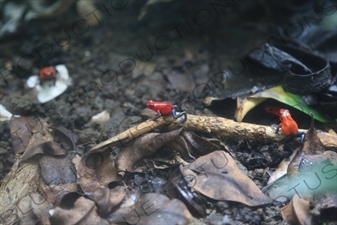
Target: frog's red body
<point>164,109</point>
<point>47,73</point>
<point>288,126</point>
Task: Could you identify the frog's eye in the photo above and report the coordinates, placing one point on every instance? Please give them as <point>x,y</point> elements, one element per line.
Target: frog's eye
<point>150,104</point>
<point>286,113</point>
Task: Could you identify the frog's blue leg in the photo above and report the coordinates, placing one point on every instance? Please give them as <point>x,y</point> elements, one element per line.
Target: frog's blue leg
<point>177,115</point>
<point>156,117</point>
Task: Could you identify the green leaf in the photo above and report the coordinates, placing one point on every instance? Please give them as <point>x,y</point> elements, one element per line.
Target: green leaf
<point>292,100</point>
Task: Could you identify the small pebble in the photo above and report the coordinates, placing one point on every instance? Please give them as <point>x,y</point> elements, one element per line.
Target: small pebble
<point>3,151</point>
<point>87,53</point>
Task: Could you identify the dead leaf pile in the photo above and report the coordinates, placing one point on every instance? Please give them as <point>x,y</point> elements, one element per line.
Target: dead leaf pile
<point>189,174</point>
<point>39,179</point>
<point>309,180</point>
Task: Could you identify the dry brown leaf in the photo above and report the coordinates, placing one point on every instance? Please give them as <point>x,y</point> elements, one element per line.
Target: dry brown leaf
<point>95,172</point>
<point>76,161</point>
<point>160,162</point>
<point>57,169</point>
<point>316,175</point>
<point>126,206</point>
<point>55,193</point>
<point>318,172</point>
<point>83,213</point>
<point>189,145</point>
<point>22,188</point>
<point>181,147</point>
<point>244,105</point>
<point>297,212</point>
<point>201,145</point>
<point>311,146</point>
<point>39,146</point>
<point>282,168</point>
<point>29,133</point>
<point>177,187</point>
<point>294,164</point>
<point>64,137</point>
<point>153,209</point>
<point>20,133</point>
<point>217,176</point>
<point>145,145</point>
<point>179,151</point>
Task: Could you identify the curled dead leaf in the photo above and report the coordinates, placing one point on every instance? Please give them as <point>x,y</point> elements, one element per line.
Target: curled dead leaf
<point>177,186</point>
<point>22,128</point>
<point>297,212</point>
<point>184,149</point>
<point>311,146</point>
<point>316,175</point>
<point>145,145</point>
<point>83,212</point>
<point>181,147</point>
<point>64,137</point>
<point>55,193</point>
<point>41,147</point>
<point>201,145</point>
<point>24,185</point>
<point>96,173</point>
<point>216,176</point>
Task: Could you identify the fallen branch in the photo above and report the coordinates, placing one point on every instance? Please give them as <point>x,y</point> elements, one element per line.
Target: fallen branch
<point>218,126</point>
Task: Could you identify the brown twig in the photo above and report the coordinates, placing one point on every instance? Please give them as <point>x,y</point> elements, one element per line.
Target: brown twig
<point>220,127</point>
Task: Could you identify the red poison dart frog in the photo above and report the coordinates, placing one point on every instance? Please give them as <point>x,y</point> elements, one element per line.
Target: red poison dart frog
<point>164,109</point>
<point>47,73</point>
<point>288,126</point>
